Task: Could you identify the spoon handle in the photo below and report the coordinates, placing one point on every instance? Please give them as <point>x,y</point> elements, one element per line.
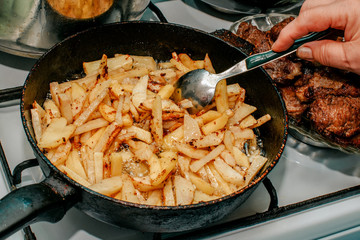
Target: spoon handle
<point>265,57</point>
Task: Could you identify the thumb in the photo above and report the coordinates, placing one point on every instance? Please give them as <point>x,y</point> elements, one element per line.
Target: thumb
<point>327,52</point>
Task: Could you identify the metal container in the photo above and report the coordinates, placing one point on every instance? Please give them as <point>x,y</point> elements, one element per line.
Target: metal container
<point>29,27</point>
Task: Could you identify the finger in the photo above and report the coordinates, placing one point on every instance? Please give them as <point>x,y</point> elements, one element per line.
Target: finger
<point>331,16</point>
<point>308,4</point>
<point>330,53</point>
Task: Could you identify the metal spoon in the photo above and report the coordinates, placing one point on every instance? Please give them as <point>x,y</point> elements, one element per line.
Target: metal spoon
<point>199,85</point>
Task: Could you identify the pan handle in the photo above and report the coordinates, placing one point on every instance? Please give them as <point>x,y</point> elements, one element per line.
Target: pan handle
<point>48,201</point>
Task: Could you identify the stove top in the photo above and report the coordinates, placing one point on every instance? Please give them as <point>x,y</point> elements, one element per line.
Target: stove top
<point>315,191</point>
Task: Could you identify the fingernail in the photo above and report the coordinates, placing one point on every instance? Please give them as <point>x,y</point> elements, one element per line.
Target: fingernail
<point>305,53</point>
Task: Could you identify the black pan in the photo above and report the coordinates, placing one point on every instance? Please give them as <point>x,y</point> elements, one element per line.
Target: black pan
<point>50,199</point>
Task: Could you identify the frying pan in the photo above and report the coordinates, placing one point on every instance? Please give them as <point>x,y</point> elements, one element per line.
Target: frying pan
<point>50,199</point>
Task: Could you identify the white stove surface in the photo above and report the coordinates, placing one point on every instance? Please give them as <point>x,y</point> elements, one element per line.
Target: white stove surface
<point>304,172</point>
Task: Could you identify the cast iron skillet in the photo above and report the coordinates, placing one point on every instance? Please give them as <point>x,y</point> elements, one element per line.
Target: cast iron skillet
<point>50,199</point>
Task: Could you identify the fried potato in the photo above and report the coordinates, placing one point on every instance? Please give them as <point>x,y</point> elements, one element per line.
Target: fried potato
<point>201,184</point>
<point>200,196</point>
<point>98,165</point>
<point>228,173</point>
<point>154,198</point>
<point>184,191</point>
<point>261,121</point>
<point>168,161</point>
<point>78,97</point>
<point>56,133</point>
<point>241,159</point>
<point>128,192</point>
<point>196,165</point>
<point>257,163</point>
<point>191,129</point>
<point>243,111</point>
<point>108,186</point>
<point>74,163</point>
<point>140,134</point>
<point>107,112</point>
<point>212,139</point>
<point>247,122</point>
<point>91,108</point>
<point>37,123</point>
<point>166,91</point>
<point>139,91</point>
<point>119,61</point>
<point>51,110</point>
<point>91,125</point>
<point>215,124</point>
<point>144,184</point>
<point>208,64</point>
<point>221,97</point>
<point>116,162</point>
<point>55,91</point>
<point>157,126</point>
<point>168,193</point>
<point>73,175</point>
<point>190,151</point>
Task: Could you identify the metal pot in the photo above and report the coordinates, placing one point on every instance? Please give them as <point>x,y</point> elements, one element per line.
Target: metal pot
<point>28,28</point>
<point>50,199</point>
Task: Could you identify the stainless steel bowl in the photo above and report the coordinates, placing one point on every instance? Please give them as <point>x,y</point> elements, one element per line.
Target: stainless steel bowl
<point>29,27</point>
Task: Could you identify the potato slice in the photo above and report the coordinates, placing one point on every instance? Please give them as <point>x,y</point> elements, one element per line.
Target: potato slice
<point>128,192</point>
<point>241,159</point>
<point>140,134</point>
<point>212,139</point>
<point>74,163</point>
<point>119,61</point>
<point>157,126</point>
<point>257,163</point>
<point>201,184</point>
<point>116,162</point>
<point>247,122</point>
<point>91,125</point>
<point>144,184</point>
<point>200,196</point>
<point>190,151</point>
<point>98,165</point>
<point>108,186</point>
<point>36,123</point>
<point>166,91</point>
<point>147,62</point>
<point>191,129</point>
<point>107,112</point>
<point>228,173</point>
<point>243,111</point>
<point>65,107</point>
<point>78,97</point>
<point>56,133</point>
<point>154,198</point>
<point>208,64</point>
<point>184,191</point>
<point>73,175</point>
<point>168,161</point>
<point>51,110</point>
<point>215,125</point>
<point>221,97</point>
<point>196,165</point>
<point>139,91</point>
<point>168,193</point>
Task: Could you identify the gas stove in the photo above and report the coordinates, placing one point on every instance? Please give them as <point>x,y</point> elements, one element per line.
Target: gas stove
<point>311,193</point>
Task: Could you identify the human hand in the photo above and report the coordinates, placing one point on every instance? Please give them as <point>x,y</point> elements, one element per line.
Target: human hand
<point>319,15</point>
